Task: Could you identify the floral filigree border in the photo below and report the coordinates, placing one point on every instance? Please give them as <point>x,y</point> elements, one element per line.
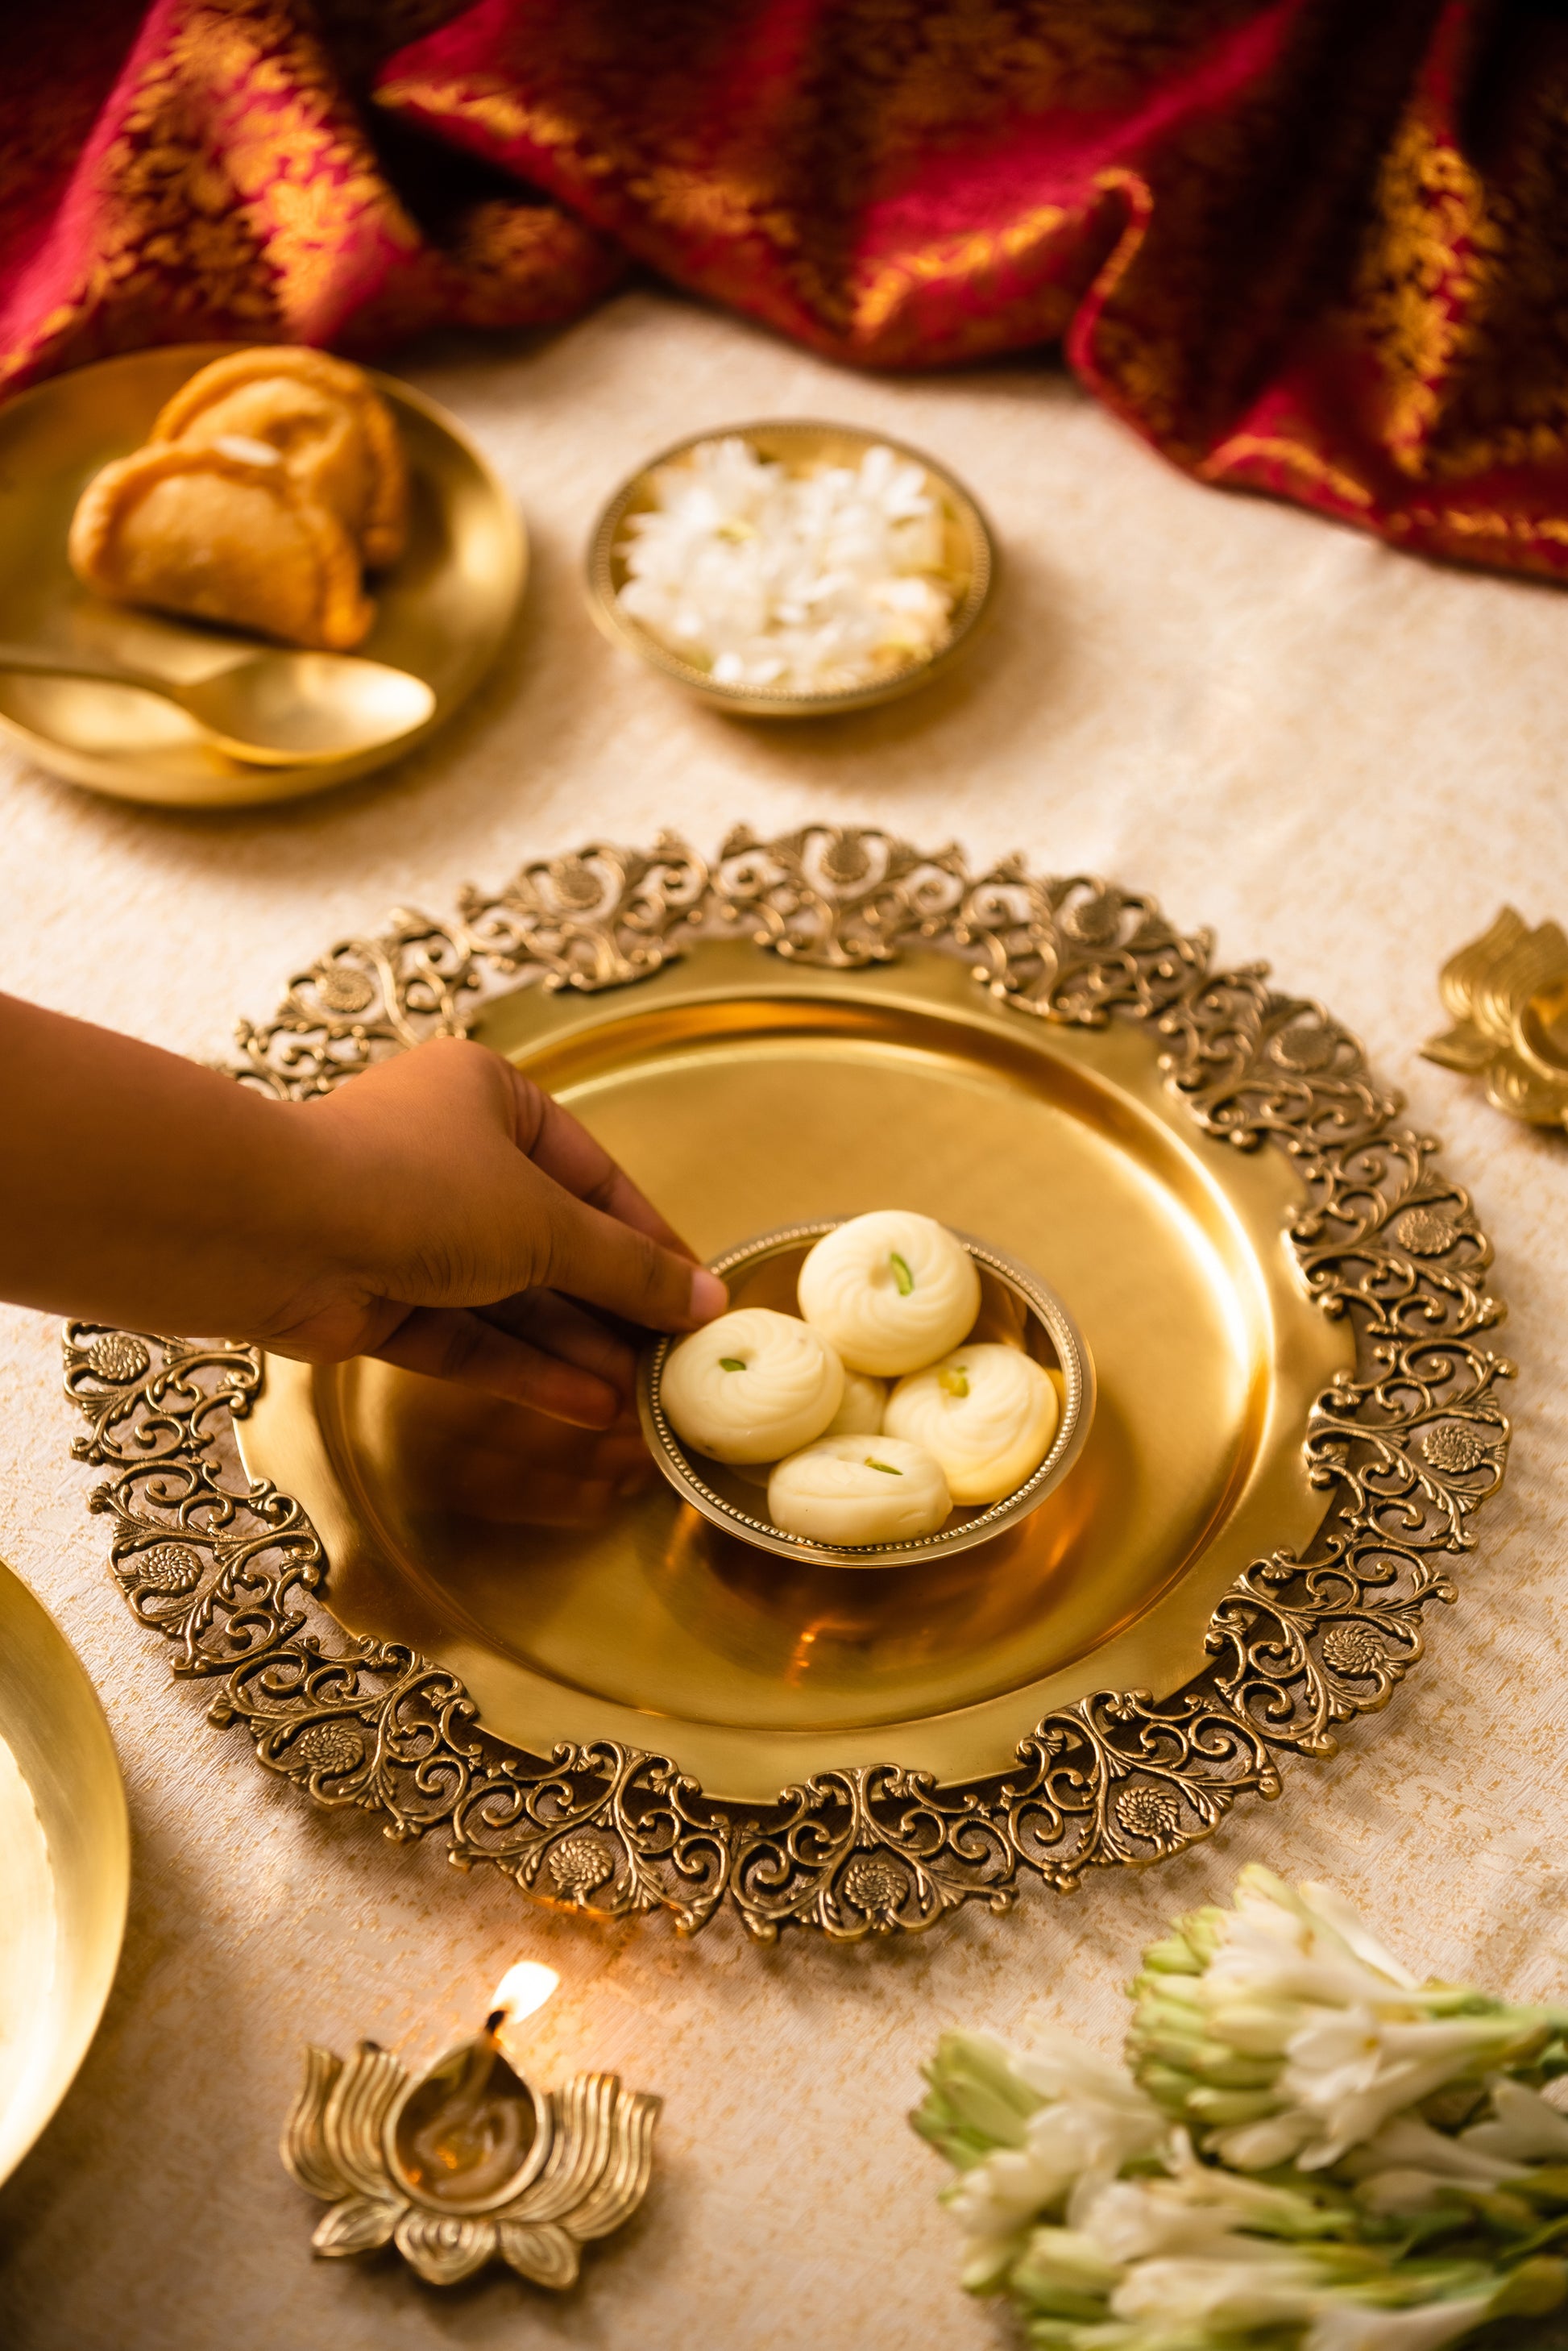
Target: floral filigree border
<point>1408,1446</point>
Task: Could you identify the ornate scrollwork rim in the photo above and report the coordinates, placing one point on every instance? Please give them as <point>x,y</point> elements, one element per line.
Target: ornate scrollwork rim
<point>1408,1444</point>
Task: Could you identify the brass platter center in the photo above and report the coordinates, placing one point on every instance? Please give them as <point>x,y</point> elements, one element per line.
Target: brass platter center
<point>745,1095</point>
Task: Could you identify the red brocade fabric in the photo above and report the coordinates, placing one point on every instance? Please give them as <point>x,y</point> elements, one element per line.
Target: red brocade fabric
<point>1316,247</point>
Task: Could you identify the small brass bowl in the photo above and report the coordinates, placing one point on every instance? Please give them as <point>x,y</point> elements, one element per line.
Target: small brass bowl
<point>1015,1306</point>
<point>970,568</point>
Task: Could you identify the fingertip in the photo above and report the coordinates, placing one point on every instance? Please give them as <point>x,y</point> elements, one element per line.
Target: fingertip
<point>708,1296</point>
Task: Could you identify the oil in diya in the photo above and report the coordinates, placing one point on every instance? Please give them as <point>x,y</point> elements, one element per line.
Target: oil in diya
<point>465,2133</point>
<point>469,2162</point>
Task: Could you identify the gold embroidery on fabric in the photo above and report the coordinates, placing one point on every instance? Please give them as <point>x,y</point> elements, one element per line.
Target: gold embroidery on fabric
<point>972,259</point>
<point>483,99</point>
<point>1233,453</point>
<point>885,179</point>
<point>239,196</point>
<point>1421,277</point>
<point>245,232</point>
<point>1462,292</point>
<point>883,86</point>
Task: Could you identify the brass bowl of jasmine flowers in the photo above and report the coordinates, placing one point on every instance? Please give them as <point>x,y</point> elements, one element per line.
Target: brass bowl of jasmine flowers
<point>1016,1310</point>
<point>964,568</point>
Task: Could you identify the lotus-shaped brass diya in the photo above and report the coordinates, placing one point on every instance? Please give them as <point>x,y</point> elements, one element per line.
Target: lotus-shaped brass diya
<point>1508,994</point>
<point>469,2163</point>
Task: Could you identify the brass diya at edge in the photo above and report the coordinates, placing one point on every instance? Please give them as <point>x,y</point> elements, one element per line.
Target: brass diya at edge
<point>970,568</point>
<point>442,612</point>
<point>1016,1308</point>
<point>749,1093</point>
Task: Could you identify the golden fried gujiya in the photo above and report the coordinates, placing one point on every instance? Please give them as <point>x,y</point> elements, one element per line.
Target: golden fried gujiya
<point>327,421</point>
<point>224,532</point>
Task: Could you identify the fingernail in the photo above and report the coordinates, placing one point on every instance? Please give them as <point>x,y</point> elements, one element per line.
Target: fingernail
<point>708,1296</point>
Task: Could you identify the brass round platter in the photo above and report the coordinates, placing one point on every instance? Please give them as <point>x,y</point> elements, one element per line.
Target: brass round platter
<point>970,567</point>
<point>411,1607</point>
<point>65,1865</point>
<point>442,610</point>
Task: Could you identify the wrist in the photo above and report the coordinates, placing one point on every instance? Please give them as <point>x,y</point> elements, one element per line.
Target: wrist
<point>313,1207</point>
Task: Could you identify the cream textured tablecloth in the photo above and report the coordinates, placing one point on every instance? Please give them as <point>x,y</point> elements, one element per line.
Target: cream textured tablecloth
<point>1340,758</point>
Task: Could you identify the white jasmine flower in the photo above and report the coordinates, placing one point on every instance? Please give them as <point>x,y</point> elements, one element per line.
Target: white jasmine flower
<point>1121,2119</point>
<point>1094,2118</point>
<point>977,2099</point>
<point>1002,2194</point>
<point>1284,1946</point>
<point>806,581</point>
<point>1263,2146</point>
<point>1408,2166</point>
<point>1067,2262</point>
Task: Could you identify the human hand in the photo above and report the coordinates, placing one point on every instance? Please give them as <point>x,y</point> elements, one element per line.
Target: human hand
<point>473,1222</point>
<point>438,1211</point>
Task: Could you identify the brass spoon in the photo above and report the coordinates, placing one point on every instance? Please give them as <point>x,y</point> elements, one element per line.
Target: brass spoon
<point>271,709</point>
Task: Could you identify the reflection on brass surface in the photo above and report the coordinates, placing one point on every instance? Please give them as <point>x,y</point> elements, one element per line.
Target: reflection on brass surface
<point>1508,994</point>
<point>65,1866</point>
<point>970,570</point>
<point>274,707</point>
<point>854,1090</point>
<point>443,609</point>
<point>469,2164</point>
<point>627,1709</point>
<point>1015,1306</point>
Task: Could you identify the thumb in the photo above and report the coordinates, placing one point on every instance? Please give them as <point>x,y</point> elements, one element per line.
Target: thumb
<point>596,1258</point>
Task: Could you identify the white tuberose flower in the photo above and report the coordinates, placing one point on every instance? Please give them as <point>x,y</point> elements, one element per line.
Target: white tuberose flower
<point>1352,2326</point>
<point>1330,2034</point>
<point>1409,2167</point>
<point>1347,2075</point>
<point>1241,2286</point>
<point>1094,2119</point>
<point>1520,2128</point>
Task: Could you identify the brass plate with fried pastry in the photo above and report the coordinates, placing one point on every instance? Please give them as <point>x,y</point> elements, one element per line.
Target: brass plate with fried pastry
<point>443,609</point>
<point>416,1605</point>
